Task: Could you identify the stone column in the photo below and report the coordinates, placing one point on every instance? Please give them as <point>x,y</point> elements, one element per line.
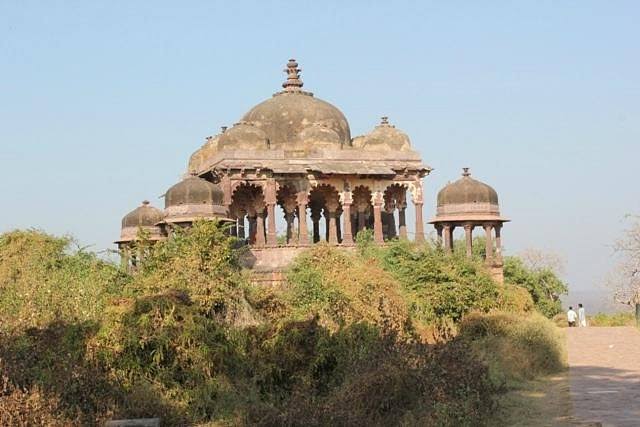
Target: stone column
<point>315,218</point>
<point>289,218</point>
<point>303,237</point>
<point>489,243</point>
<point>498,228</point>
<point>252,228</point>
<point>347,237</point>
<point>271,225</point>
<point>260,240</point>
<point>271,200</point>
<point>333,230</point>
<point>402,221</point>
<point>392,225</point>
<point>419,223</point>
<point>448,232</point>
<point>377,222</point>
<point>438,228</point>
<point>468,234</point>
<point>327,220</point>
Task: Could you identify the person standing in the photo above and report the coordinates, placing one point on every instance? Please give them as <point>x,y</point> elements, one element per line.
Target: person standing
<point>571,317</point>
<point>582,318</point>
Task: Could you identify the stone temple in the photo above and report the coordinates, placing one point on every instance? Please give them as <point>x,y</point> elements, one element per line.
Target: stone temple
<point>291,162</point>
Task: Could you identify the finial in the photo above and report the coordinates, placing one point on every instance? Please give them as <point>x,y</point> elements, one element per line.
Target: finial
<point>465,172</point>
<point>384,120</point>
<point>145,202</point>
<point>293,82</point>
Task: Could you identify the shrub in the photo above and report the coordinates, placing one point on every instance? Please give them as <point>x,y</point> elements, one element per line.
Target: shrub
<point>43,279</point>
<point>516,347</point>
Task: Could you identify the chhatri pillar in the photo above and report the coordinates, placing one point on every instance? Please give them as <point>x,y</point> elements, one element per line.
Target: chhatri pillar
<point>378,236</point>
<point>402,220</point>
<point>303,237</point>
<point>347,237</point>
<point>468,235</point>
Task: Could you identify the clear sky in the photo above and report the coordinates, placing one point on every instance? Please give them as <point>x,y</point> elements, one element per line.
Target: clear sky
<point>102,102</point>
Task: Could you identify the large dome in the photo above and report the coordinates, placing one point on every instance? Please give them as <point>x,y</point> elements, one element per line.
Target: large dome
<point>287,114</point>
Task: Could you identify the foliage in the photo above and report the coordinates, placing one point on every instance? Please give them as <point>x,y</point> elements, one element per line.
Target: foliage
<point>441,286</point>
<point>614,319</point>
<point>44,279</point>
<point>516,347</point>
<point>543,284</point>
<point>189,339</point>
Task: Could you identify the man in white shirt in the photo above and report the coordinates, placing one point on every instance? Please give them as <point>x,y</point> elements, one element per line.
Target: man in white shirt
<point>571,317</point>
<point>582,318</point>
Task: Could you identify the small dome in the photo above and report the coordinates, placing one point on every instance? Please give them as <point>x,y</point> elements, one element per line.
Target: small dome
<point>244,136</point>
<point>385,137</point>
<point>467,190</point>
<point>143,217</point>
<point>467,199</point>
<point>193,198</point>
<point>285,116</point>
<point>193,190</point>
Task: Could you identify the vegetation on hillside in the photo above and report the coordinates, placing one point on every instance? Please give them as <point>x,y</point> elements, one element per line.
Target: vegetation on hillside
<point>363,338</point>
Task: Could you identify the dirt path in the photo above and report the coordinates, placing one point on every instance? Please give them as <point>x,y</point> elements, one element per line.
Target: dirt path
<point>604,369</point>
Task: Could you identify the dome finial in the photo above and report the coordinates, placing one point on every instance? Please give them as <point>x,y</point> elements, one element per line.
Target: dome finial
<point>465,172</point>
<point>293,82</point>
<point>145,203</point>
<point>384,120</point>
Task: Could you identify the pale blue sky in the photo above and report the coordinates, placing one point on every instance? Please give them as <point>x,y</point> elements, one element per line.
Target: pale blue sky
<point>101,103</point>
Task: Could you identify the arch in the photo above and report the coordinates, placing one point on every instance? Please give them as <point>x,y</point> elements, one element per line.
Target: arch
<point>324,201</point>
<point>248,200</point>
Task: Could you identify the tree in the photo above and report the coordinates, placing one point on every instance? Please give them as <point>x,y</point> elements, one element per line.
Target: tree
<point>538,272</point>
<point>625,279</point>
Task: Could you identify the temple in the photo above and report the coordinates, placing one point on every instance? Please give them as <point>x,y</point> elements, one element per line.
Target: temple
<point>289,174</point>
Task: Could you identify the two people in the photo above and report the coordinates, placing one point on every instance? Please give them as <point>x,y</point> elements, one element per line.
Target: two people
<point>580,316</point>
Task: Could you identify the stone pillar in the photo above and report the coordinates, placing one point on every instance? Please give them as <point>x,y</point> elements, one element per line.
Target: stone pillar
<point>252,228</point>
<point>338,224</point>
<point>419,223</point>
<point>271,200</point>
<point>448,232</point>
<point>347,237</point>
<point>315,218</point>
<point>498,242</point>
<point>402,221</point>
<point>377,223</point>
<point>260,240</point>
<point>438,228</point>
<point>327,219</point>
<point>303,237</point>
<point>489,243</point>
<point>289,218</point>
<point>333,230</point>
<point>468,234</point>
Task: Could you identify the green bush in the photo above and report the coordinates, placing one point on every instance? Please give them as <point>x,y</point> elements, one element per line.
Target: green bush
<point>544,285</point>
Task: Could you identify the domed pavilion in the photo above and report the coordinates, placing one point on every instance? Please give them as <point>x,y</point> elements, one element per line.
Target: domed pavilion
<point>469,203</point>
<point>291,161</point>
